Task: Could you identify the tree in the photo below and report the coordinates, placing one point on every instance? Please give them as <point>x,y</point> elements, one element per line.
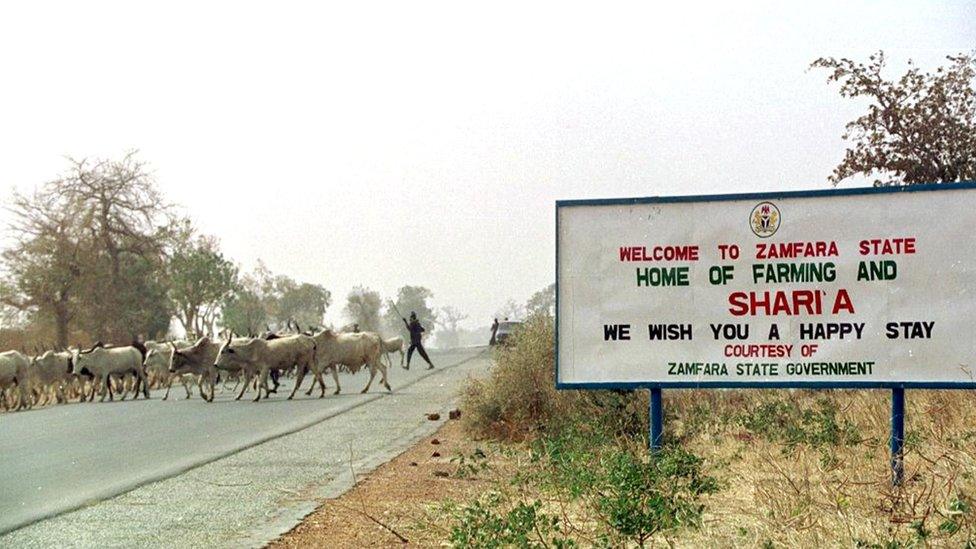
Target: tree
<point>511,311</point>
<point>129,227</point>
<point>302,302</point>
<point>200,280</point>
<point>411,298</point>
<point>363,308</point>
<point>243,312</point>
<point>543,301</point>
<point>44,264</point>
<point>920,128</point>
<point>449,319</point>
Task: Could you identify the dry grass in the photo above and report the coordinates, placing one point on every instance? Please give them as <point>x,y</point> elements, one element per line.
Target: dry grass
<point>835,495</point>
<point>796,468</point>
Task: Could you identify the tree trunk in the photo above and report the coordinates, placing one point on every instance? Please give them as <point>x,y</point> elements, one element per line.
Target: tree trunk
<point>61,321</point>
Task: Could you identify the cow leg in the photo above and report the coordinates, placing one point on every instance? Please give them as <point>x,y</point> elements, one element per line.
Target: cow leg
<point>298,381</point>
<point>207,379</point>
<point>372,374</point>
<point>22,393</point>
<point>321,380</point>
<point>106,386</point>
<point>186,387</point>
<point>275,373</point>
<point>247,381</point>
<point>110,388</point>
<point>135,385</point>
<point>312,387</point>
<point>335,377</point>
<point>384,380</point>
<point>262,383</point>
<point>169,385</point>
<point>145,384</point>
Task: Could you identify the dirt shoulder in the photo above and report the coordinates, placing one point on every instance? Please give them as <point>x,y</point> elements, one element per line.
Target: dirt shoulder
<point>404,495</point>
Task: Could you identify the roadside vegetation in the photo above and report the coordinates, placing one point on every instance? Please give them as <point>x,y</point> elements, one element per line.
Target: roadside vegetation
<point>740,468</point>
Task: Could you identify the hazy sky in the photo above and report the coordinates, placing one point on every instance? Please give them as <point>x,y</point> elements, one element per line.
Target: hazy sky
<point>425,143</point>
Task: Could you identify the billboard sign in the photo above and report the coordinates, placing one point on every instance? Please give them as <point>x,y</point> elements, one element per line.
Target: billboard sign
<point>852,288</point>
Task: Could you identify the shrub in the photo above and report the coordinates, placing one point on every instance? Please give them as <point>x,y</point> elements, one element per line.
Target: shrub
<point>519,397</point>
<point>784,420</point>
<point>485,523</point>
<point>640,497</point>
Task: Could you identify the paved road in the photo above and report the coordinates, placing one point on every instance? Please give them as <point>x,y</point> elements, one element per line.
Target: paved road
<point>65,457</point>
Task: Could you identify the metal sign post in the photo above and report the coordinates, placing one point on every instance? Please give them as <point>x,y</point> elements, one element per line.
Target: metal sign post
<point>897,435</point>
<point>657,419</point>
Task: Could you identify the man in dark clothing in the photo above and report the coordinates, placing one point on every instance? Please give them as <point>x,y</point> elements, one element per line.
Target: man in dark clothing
<point>416,342</point>
<point>494,332</point>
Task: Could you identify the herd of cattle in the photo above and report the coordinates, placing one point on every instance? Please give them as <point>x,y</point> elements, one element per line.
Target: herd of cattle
<point>78,374</point>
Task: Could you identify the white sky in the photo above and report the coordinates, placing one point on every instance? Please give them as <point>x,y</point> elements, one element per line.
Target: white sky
<point>425,143</point>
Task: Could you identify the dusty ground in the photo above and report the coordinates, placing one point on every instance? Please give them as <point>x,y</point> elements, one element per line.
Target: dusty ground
<point>404,495</point>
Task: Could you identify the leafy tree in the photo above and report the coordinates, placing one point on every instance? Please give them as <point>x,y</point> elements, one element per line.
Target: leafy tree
<point>129,228</point>
<point>265,300</point>
<point>144,305</point>
<point>44,264</point>
<point>411,298</point>
<point>542,302</point>
<point>200,280</point>
<point>243,312</point>
<point>449,319</point>
<point>363,308</point>
<point>301,302</point>
<point>920,128</point>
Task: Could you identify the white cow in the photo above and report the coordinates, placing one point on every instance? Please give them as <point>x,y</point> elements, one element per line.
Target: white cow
<point>392,345</point>
<point>158,363</point>
<point>51,372</point>
<point>14,372</point>
<point>197,360</point>
<point>257,357</point>
<point>348,349</point>
<point>99,363</point>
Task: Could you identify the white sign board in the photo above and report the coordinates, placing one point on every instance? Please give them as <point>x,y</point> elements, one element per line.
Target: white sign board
<point>867,287</point>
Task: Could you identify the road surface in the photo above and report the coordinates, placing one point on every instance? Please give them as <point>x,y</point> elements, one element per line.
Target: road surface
<point>59,462</point>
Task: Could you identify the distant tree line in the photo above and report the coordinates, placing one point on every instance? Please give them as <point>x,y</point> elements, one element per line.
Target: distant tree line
<point>99,254</point>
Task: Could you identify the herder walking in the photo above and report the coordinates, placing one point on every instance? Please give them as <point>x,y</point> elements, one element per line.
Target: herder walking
<point>494,332</point>
<point>416,341</point>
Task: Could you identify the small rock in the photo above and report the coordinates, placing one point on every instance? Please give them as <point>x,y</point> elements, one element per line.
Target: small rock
<point>436,454</point>
<point>454,414</point>
<point>435,442</point>
<point>441,474</point>
<point>413,463</point>
<point>433,417</point>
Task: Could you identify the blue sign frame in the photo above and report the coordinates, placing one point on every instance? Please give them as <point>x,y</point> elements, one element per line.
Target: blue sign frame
<point>751,384</point>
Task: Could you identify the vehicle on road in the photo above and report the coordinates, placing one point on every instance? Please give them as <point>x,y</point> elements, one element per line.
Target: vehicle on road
<point>505,331</point>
